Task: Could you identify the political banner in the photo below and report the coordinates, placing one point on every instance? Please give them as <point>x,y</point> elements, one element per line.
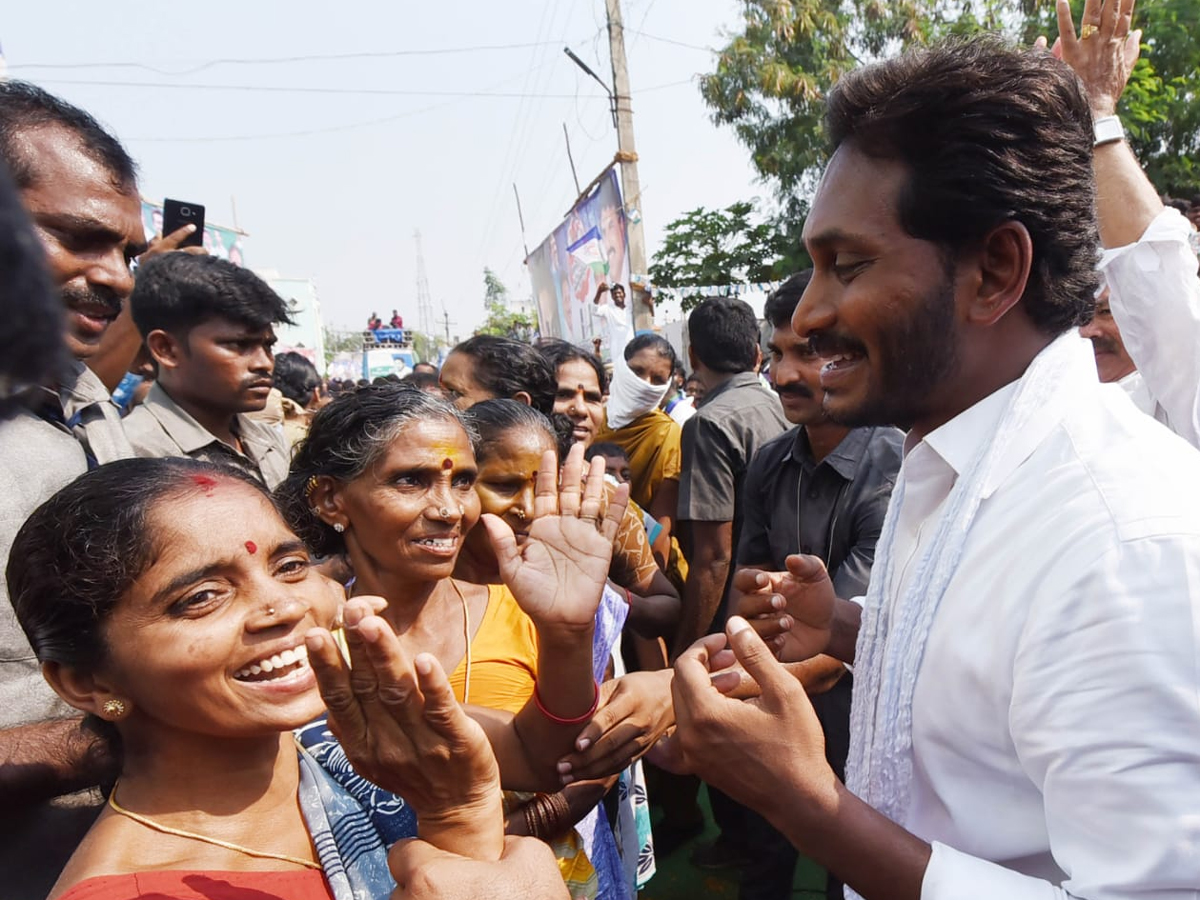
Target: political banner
<point>588,249</point>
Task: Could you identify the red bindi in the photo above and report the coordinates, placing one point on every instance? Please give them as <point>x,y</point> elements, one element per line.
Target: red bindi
<point>206,482</point>
<point>447,463</point>
<point>251,547</point>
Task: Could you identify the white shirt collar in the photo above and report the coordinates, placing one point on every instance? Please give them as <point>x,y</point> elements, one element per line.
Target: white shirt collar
<point>957,441</point>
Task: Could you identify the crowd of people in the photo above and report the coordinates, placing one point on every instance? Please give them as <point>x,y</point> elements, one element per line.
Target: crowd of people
<point>902,575</point>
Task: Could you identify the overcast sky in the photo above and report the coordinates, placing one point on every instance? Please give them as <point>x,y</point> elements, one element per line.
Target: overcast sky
<point>331,183</point>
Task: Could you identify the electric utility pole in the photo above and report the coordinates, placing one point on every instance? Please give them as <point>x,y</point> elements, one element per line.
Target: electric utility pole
<point>643,317</point>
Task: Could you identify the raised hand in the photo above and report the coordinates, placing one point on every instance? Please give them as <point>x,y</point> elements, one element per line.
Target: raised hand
<point>169,243</point>
<point>558,574</point>
<point>1104,52</point>
<point>635,711</point>
<point>401,728</point>
<point>793,610</point>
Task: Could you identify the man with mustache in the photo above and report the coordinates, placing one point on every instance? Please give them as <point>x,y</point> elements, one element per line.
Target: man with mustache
<point>1025,721</point>
<point>78,188</point>
<point>1113,362</point>
<point>208,325</point>
<point>820,489</point>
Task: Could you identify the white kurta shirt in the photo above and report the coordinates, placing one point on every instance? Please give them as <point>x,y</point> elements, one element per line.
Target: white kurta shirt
<point>1056,716</point>
<point>1155,301</point>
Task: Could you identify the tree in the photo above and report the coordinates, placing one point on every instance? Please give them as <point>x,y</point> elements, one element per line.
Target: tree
<point>722,246</point>
<point>770,80</point>
<point>502,321</point>
<point>341,342</point>
<point>425,347</point>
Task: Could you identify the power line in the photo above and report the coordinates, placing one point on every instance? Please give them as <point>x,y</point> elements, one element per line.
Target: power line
<point>273,60</point>
<point>663,40</point>
<point>292,134</point>
<point>293,89</point>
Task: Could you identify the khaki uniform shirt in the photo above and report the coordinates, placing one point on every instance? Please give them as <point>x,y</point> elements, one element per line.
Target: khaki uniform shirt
<point>50,439</point>
<point>160,427</point>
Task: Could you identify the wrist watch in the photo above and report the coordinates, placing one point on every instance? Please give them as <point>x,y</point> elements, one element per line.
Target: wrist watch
<point>1108,130</point>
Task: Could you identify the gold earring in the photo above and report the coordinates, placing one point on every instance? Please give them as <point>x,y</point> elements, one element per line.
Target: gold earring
<point>114,709</point>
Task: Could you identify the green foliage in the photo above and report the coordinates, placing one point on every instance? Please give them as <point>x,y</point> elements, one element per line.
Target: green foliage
<point>723,246</point>
<point>502,321</point>
<point>495,293</point>
<point>770,79</point>
<point>425,347</point>
<point>341,341</point>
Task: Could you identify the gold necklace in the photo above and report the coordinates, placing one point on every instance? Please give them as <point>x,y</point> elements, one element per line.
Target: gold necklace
<point>466,640</point>
<point>217,842</point>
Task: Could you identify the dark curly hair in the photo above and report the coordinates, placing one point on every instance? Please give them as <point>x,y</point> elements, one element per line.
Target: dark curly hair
<point>989,134</point>
<point>178,291</point>
<point>347,437</point>
<point>505,368</point>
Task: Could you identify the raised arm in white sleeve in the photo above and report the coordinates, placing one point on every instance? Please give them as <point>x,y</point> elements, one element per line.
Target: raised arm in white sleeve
<point>1155,301</point>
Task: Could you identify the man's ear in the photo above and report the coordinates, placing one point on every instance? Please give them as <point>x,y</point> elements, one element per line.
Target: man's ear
<point>87,692</point>
<point>165,348</point>
<point>523,397</point>
<point>1003,262</point>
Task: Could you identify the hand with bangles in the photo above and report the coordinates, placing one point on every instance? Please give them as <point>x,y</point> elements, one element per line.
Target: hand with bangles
<point>635,711</point>
<point>401,728</point>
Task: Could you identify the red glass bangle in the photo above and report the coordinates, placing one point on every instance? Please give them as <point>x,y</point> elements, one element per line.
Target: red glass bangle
<point>557,720</point>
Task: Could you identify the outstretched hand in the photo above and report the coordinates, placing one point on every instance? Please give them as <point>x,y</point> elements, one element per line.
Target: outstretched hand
<point>557,575</point>
<point>1104,52</point>
<point>635,711</point>
<point>793,610</point>
<point>401,728</point>
<point>768,752</point>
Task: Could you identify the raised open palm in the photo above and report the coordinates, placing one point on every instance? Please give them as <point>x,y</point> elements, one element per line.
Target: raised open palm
<point>557,575</point>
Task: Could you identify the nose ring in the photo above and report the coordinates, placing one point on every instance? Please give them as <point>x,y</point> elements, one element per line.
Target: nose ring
<point>520,514</point>
<point>445,513</point>
<point>270,610</point>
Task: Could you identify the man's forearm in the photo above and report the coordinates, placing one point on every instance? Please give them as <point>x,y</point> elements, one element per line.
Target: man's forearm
<point>862,847</point>
<point>1126,201</point>
<point>49,759</point>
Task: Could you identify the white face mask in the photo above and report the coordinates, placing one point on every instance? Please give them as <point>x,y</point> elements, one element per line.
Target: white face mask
<point>630,397</point>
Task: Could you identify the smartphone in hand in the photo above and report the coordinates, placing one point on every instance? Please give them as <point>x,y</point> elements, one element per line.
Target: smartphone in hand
<point>177,213</point>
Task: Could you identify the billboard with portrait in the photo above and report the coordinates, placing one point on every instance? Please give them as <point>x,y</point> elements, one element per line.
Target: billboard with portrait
<point>587,249</point>
<point>227,243</point>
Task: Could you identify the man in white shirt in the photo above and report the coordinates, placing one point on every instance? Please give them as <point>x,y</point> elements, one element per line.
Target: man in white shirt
<point>1026,718</point>
<point>1113,362</point>
<point>1149,266</point>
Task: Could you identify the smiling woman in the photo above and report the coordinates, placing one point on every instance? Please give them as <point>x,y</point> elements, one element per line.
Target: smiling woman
<point>169,601</point>
<point>148,613</point>
<point>371,481</point>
